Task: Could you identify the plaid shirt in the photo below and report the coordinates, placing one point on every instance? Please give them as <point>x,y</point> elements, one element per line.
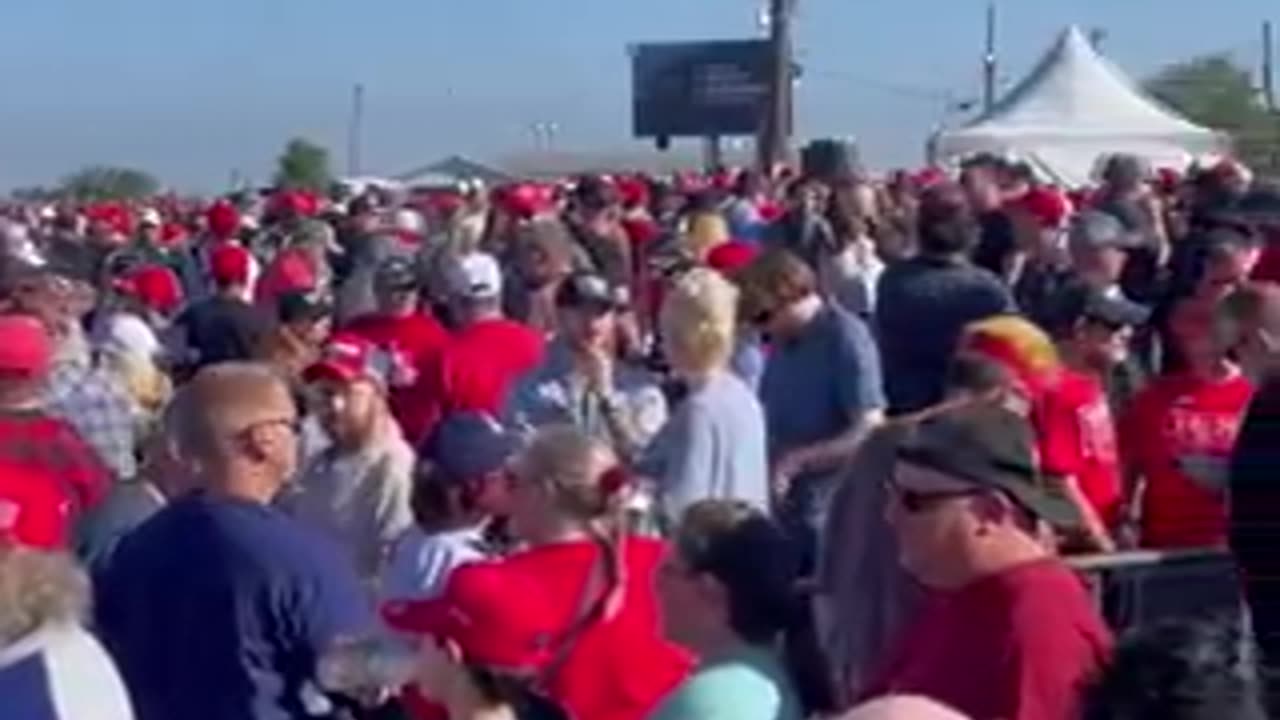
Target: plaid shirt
<point>50,445</point>
<point>97,405</point>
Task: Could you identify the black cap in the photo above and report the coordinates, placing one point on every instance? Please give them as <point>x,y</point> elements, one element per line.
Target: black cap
<point>396,273</point>
<point>302,307</point>
<point>469,445</point>
<point>1077,301</point>
<point>987,445</point>
<point>585,289</point>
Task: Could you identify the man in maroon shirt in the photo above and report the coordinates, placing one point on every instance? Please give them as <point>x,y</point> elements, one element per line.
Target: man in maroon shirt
<point>1008,632</point>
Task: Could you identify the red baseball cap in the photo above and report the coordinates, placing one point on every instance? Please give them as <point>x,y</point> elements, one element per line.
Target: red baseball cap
<point>1048,207</point>
<point>348,357</point>
<point>229,264</point>
<point>730,257</point>
<point>27,349</point>
<point>223,219</point>
<point>156,286</point>
<point>34,511</point>
<point>496,615</point>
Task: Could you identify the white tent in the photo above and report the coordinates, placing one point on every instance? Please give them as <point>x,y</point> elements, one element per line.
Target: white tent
<point>1074,108</point>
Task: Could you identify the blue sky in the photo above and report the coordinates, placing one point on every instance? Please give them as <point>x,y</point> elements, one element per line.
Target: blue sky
<point>194,90</point>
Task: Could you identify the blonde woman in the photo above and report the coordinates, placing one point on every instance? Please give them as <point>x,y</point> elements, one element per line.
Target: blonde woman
<point>128,352</point>
<point>707,231</point>
<point>608,659</point>
<point>714,444</point>
<point>48,662</point>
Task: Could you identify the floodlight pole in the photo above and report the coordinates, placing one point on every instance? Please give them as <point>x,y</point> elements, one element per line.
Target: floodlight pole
<point>989,62</point>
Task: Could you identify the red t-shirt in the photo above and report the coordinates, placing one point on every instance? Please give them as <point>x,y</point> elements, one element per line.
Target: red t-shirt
<point>1078,439</point>
<point>34,509</point>
<point>1268,267</point>
<point>621,668</point>
<point>1012,646</point>
<point>418,335</point>
<point>484,361</point>
<point>53,448</point>
<point>421,339</point>
<point>1175,419</point>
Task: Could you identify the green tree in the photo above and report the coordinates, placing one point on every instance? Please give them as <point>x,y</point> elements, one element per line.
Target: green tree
<point>1216,92</point>
<point>109,183</point>
<point>304,165</point>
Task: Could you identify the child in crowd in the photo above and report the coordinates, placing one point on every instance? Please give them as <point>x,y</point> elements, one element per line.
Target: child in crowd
<point>460,486</point>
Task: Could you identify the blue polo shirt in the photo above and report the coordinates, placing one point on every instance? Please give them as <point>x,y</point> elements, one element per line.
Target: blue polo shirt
<point>814,382</point>
<point>216,609</point>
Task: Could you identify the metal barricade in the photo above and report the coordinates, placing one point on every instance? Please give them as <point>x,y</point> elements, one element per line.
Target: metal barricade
<point>1139,587</point>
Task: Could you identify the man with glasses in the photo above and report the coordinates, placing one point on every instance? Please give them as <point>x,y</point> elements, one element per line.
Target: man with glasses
<point>821,390</point>
<point>1009,631</point>
<point>1092,331</point>
<point>218,606</point>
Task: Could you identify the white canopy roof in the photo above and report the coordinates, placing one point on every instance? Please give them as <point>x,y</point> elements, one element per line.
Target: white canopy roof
<point>1074,108</point>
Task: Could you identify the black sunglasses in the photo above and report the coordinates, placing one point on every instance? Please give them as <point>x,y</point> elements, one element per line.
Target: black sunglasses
<point>921,501</point>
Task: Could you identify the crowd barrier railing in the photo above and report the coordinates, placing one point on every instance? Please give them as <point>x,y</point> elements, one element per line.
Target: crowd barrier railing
<point>1140,586</point>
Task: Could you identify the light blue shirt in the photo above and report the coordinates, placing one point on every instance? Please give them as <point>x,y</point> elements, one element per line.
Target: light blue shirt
<point>748,684</point>
<point>714,447</point>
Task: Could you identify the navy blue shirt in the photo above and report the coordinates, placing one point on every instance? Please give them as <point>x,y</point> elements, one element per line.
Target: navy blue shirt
<point>922,306</point>
<point>816,382</point>
<point>216,609</point>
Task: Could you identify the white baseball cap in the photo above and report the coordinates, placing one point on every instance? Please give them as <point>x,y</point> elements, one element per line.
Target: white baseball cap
<point>475,276</point>
<point>151,217</point>
<point>408,220</point>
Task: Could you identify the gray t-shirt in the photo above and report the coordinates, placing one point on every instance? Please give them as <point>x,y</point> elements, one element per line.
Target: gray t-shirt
<point>359,500</point>
<point>713,447</point>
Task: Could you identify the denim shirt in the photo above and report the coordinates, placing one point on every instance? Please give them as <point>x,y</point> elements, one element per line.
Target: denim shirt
<point>554,394</point>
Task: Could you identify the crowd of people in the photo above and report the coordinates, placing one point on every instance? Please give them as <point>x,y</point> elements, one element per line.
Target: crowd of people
<point>704,447</point>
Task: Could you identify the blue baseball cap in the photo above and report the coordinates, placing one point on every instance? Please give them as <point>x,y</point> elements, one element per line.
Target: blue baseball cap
<point>469,445</point>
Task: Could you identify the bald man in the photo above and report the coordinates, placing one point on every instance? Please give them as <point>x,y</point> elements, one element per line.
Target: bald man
<point>1249,321</point>
<point>218,606</point>
<point>903,707</point>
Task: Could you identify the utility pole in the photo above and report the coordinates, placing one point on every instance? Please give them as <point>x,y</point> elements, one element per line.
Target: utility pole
<point>989,62</point>
<point>776,129</point>
<point>355,130</point>
<point>1268,67</point>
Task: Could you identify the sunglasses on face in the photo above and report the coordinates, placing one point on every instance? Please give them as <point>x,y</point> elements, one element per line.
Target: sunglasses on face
<point>1108,325</point>
<point>293,424</point>
<point>916,502</point>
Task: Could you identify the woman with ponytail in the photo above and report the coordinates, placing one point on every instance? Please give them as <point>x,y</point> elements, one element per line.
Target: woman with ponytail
<point>607,659</point>
<point>728,591</point>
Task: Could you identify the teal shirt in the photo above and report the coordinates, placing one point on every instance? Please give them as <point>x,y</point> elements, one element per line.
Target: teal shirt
<point>747,684</point>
